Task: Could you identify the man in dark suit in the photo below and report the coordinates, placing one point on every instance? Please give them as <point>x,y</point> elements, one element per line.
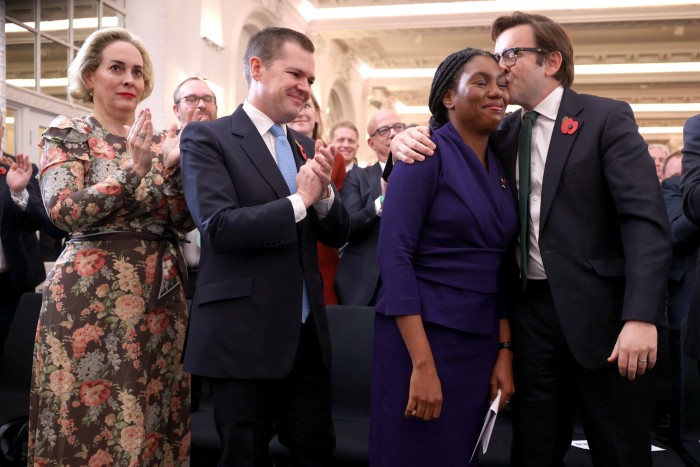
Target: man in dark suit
<point>21,215</point>
<point>258,330</point>
<point>690,186</point>
<point>598,246</point>
<point>357,278</point>
<point>681,282</point>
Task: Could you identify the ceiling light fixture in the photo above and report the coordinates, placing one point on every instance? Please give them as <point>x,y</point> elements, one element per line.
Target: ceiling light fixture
<point>598,69</point>
<point>311,13</point>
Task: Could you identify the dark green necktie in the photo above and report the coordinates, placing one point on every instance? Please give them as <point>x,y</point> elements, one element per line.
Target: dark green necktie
<point>524,145</point>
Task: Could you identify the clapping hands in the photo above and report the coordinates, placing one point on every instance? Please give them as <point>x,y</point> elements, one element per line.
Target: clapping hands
<point>315,175</point>
<point>138,142</point>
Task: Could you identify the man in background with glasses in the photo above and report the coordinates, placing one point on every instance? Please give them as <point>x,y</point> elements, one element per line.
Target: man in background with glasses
<point>357,278</point>
<point>194,94</point>
<point>597,250</point>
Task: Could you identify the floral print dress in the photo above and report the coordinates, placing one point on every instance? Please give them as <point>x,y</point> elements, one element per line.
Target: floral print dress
<point>108,387</point>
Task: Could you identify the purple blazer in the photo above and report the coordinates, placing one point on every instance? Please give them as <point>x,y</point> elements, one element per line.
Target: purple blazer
<point>447,233</point>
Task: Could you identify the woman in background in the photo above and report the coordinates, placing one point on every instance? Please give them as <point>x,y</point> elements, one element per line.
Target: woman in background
<point>309,123</point>
<point>108,387</point>
<point>445,243</point>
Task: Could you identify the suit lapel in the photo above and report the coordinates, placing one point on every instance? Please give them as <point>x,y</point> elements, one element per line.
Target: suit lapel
<point>374,174</point>
<point>256,150</point>
<point>504,143</point>
<point>463,173</point>
<point>299,157</point>
<point>560,147</point>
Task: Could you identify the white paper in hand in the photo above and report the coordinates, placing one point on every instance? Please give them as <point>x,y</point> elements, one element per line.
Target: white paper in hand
<point>487,428</point>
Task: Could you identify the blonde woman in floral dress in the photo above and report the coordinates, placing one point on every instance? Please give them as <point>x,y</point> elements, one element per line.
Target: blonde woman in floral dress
<point>108,387</point>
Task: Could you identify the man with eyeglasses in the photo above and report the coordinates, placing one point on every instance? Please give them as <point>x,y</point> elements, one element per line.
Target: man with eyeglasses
<point>193,95</point>
<point>357,278</point>
<point>596,243</point>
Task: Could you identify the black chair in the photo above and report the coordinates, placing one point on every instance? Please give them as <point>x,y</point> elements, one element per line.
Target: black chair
<point>691,409</point>
<point>15,380</point>
<point>351,329</point>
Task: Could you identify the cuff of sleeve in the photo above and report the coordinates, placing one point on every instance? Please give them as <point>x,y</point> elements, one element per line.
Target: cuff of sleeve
<point>128,178</point>
<point>323,206</point>
<point>298,206</point>
<point>173,181</point>
<point>379,205</point>
<point>21,199</point>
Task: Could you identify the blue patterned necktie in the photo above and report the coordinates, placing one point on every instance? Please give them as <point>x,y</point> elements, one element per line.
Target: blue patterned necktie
<point>285,157</point>
<point>285,161</point>
<point>524,148</point>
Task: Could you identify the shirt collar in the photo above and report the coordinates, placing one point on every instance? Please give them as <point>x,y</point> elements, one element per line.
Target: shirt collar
<point>549,106</point>
<point>262,122</point>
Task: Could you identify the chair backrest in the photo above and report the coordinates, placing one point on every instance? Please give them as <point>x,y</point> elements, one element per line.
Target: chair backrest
<point>691,401</point>
<point>351,329</point>
<point>18,354</point>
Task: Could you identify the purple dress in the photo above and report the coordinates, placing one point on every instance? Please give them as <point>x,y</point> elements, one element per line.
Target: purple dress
<point>447,232</point>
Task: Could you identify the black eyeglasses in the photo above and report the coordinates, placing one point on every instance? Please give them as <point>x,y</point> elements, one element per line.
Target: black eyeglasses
<point>510,56</point>
<point>192,99</point>
<point>385,130</point>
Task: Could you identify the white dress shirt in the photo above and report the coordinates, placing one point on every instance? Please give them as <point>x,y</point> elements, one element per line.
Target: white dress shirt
<point>541,137</point>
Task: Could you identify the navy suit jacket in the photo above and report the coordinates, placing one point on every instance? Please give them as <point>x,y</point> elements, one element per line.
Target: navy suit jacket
<point>690,187</point>
<point>357,275</point>
<point>246,312</point>
<point>604,235</point>
<point>686,240</point>
<point>18,233</point>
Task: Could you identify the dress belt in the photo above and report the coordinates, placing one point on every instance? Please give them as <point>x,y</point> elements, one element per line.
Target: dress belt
<point>149,237</point>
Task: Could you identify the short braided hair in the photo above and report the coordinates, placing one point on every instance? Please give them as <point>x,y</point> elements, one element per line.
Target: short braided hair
<point>445,78</point>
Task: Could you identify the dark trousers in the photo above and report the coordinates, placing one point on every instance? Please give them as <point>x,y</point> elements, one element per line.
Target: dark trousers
<point>298,408</point>
<point>551,387</point>
<point>9,298</point>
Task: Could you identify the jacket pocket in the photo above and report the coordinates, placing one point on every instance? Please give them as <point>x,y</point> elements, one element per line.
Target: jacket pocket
<point>609,267</point>
<point>225,290</point>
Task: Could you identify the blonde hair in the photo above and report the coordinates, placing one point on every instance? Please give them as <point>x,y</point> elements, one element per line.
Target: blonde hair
<point>89,58</point>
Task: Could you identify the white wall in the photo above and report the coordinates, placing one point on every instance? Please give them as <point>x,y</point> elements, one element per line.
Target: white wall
<point>171,31</point>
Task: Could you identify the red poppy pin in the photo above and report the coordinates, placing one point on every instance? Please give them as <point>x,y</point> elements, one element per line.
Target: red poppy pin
<point>3,170</point>
<point>568,125</point>
<point>301,148</point>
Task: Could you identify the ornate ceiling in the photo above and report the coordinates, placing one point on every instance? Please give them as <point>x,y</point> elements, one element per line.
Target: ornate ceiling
<point>409,37</point>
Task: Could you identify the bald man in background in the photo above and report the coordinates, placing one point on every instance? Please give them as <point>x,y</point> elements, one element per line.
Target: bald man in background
<point>357,279</point>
